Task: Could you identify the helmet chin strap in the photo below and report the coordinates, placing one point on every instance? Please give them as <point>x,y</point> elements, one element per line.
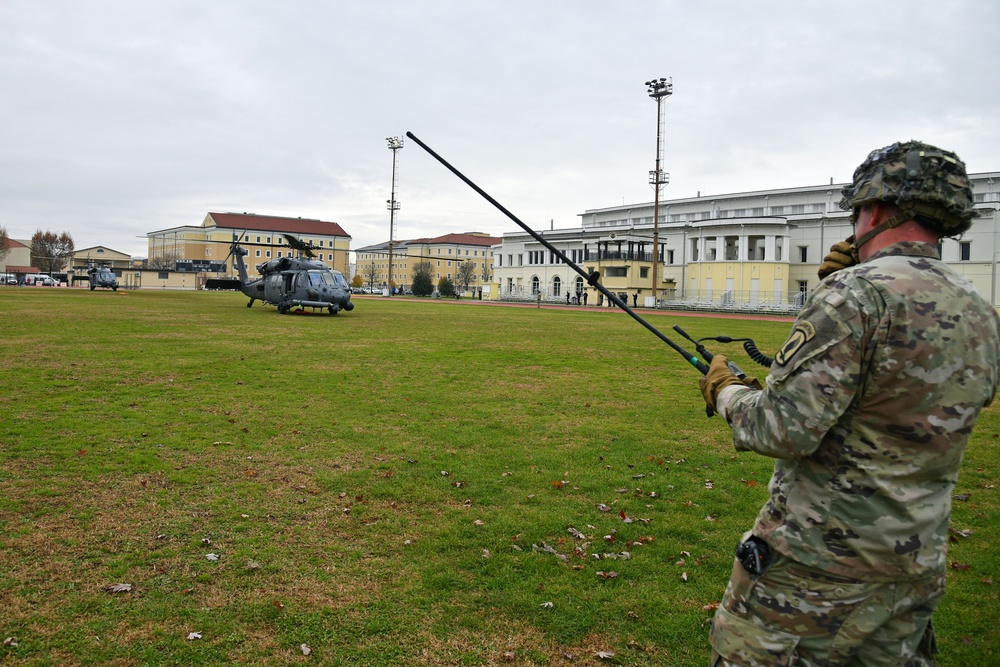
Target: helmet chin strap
<point>888,223</point>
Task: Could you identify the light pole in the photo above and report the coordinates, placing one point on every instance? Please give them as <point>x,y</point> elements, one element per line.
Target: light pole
<point>658,89</point>
<point>395,144</point>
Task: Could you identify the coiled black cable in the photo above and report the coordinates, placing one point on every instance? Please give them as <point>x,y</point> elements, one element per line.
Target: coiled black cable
<point>757,355</point>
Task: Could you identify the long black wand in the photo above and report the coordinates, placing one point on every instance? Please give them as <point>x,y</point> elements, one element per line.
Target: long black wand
<point>592,278</point>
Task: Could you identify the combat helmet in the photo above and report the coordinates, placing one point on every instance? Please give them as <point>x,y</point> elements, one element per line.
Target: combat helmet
<point>926,183</point>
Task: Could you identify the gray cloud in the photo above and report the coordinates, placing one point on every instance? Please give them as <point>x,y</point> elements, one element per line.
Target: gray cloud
<point>119,119</point>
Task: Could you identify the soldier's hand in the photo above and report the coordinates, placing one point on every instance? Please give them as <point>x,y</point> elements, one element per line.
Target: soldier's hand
<point>719,377</point>
<point>841,256</point>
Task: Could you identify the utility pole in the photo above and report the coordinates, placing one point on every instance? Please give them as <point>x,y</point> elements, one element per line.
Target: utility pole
<point>658,89</point>
<point>395,144</point>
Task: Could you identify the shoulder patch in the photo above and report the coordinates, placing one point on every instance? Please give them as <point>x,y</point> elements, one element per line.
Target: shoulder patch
<point>801,334</point>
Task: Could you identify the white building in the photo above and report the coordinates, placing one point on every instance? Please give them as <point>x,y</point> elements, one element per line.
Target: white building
<point>757,250</point>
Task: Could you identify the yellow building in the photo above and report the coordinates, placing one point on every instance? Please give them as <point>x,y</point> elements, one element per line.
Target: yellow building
<point>445,254</point>
<point>205,248</point>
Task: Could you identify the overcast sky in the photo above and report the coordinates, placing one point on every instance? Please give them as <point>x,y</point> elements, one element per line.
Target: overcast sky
<point>121,118</point>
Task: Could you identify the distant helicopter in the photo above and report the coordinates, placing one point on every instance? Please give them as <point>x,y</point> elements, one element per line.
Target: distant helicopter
<point>101,276</point>
<point>293,282</point>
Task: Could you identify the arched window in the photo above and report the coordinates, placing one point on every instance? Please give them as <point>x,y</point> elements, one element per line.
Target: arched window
<point>534,285</point>
<point>556,286</point>
<point>579,285</point>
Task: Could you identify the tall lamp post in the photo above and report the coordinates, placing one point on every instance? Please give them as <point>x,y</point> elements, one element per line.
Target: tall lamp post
<point>658,89</point>
<point>395,144</point>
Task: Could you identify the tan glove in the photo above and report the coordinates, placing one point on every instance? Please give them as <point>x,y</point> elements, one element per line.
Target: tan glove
<point>718,378</point>
<point>841,256</point>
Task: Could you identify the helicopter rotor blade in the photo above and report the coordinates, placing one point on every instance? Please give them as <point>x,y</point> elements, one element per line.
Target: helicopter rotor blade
<point>232,247</point>
<point>297,244</point>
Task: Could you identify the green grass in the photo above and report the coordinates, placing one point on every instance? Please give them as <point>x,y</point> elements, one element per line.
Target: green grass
<point>134,427</point>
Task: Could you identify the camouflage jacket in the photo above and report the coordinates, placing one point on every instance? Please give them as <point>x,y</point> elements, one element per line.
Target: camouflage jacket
<point>868,407</point>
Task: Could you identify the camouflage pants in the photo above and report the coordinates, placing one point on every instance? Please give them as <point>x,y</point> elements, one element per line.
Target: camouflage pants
<point>797,616</point>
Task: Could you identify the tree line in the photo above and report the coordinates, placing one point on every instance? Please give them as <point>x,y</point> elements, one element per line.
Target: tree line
<point>50,252</point>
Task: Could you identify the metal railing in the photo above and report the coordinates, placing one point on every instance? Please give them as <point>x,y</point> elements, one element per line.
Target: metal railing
<point>723,301</point>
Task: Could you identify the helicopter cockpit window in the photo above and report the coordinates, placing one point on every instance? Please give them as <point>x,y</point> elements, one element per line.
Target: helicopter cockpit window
<point>316,279</point>
<point>340,281</point>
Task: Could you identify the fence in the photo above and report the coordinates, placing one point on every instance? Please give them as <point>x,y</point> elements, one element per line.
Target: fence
<point>728,301</point>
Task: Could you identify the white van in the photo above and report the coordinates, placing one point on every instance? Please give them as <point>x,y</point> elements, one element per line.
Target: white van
<point>39,279</point>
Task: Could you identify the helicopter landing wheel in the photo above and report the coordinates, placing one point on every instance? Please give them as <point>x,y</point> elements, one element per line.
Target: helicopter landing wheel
<point>282,309</point>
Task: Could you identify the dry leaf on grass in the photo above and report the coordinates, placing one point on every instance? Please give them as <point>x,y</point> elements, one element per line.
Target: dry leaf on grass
<point>120,588</point>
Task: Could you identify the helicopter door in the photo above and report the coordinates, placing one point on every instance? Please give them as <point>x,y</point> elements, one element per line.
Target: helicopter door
<point>272,288</point>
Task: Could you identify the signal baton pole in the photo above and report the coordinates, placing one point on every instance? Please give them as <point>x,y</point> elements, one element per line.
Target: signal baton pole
<point>592,278</point>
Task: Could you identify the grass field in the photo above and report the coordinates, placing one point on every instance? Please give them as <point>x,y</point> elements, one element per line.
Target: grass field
<point>414,482</point>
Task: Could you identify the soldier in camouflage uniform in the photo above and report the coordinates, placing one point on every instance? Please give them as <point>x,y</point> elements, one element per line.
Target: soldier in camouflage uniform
<point>867,409</point>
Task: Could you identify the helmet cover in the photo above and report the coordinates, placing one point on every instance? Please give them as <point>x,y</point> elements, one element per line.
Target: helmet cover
<point>927,183</point>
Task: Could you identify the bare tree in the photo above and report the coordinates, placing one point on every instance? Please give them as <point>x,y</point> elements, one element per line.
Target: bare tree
<point>4,243</point>
<point>51,252</point>
<point>370,274</point>
<point>485,271</point>
<point>464,274</point>
<point>164,260</point>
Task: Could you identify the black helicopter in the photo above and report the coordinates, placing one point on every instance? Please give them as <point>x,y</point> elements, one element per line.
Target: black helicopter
<point>101,276</point>
<point>300,282</point>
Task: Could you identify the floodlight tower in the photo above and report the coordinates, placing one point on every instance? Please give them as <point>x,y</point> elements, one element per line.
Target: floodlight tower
<point>395,144</point>
<point>658,89</point>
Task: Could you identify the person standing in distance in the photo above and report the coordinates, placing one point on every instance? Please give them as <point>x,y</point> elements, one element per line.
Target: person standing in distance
<point>867,410</point>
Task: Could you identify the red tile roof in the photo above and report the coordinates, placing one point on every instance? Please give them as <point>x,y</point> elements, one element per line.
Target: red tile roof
<point>462,239</point>
<point>271,223</point>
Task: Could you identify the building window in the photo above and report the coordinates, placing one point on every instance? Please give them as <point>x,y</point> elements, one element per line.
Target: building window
<point>267,254</point>
<point>534,285</point>
<point>644,272</point>
<point>258,239</point>
<point>711,249</point>
<point>256,252</point>
<point>163,275</point>
<point>803,254</point>
<point>803,286</point>
<point>556,286</point>
<point>965,250</point>
<point>670,256</point>
<point>732,248</point>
